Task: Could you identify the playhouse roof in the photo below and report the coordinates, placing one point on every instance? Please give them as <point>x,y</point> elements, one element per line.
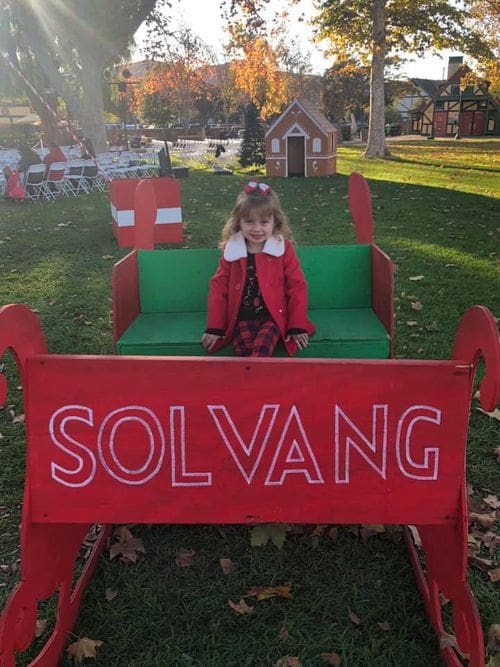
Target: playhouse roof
<point>310,110</point>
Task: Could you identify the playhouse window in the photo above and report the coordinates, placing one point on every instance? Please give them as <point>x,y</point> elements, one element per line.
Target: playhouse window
<point>275,146</point>
<point>316,145</point>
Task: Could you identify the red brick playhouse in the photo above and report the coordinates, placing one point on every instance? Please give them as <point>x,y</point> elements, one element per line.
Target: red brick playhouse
<point>301,142</point>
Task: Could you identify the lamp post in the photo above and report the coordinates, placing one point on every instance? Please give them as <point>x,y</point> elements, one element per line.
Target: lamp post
<point>462,87</point>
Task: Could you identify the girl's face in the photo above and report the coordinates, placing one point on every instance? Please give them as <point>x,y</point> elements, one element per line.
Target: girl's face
<point>257,226</point>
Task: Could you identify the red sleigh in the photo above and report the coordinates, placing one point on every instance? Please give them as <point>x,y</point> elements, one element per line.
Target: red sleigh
<point>138,439</point>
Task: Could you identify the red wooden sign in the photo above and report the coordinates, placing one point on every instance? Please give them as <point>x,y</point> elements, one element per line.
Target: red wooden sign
<point>164,440</point>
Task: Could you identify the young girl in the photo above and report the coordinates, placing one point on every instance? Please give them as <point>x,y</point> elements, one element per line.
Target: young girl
<point>258,293</point>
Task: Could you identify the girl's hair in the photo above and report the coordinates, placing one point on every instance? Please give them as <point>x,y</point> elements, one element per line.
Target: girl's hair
<point>268,203</point>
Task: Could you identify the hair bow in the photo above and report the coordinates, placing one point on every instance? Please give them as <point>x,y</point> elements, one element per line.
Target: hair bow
<point>258,188</point>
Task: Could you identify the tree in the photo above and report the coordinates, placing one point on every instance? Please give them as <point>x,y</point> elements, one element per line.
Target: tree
<point>257,75</point>
<point>346,89</point>
<point>252,149</point>
<point>373,29</point>
<point>73,41</point>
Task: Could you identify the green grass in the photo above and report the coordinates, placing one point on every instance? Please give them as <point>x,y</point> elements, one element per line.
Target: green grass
<point>436,207</point>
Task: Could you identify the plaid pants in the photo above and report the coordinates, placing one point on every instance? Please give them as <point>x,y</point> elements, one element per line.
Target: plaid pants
<point>255,338</point>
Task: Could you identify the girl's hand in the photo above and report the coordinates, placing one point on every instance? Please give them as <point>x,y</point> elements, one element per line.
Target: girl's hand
<point>301,340</point>
<point>209,341</point>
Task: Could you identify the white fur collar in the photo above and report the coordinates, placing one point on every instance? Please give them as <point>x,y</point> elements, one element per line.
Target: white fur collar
<point>236,248</point>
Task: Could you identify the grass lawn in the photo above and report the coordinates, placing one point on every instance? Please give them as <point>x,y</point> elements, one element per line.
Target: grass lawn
<point>437,214</point>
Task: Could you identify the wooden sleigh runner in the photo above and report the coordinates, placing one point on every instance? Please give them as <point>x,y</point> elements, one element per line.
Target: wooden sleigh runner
<point>114,439</point>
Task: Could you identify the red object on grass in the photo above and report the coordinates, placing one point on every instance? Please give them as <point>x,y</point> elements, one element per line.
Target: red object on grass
<point>158,439</point>
<point>129,213</point>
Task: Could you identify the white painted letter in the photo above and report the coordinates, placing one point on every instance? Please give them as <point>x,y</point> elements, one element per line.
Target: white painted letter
<point>244,456</point>
<point>180,477</point>
<point>373,450</point>
<point>84,472</point>
<point>407,464</point>
<point>298,456</point>
<point>155,439</point>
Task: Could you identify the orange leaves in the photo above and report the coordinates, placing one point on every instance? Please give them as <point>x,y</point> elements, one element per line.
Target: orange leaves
<point>83,648</point>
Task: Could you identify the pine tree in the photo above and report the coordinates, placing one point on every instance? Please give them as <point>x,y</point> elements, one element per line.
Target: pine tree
<point>252,149</point>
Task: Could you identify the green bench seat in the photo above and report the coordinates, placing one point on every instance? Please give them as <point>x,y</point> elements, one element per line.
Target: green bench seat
<point>172,290</point>
<point>340,333</point>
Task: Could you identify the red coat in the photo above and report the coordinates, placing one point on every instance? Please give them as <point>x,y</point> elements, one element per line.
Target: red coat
<point>281,282</point>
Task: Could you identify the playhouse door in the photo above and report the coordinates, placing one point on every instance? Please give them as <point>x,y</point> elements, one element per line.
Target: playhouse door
<point>296,156</point>
<point>440,123</point>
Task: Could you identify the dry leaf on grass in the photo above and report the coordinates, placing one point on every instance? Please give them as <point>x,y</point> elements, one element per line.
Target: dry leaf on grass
<point>83,648</point>
<point>415,278</point>
<point>354,618</point>
<point>368,530</point>
<point>416,305</point>
<point>447,640</point>
<point>128,547</point>
<point>496,453</point>
<point>110,594</point>
<point>494,415</point>
<point>266,592</point>
<point>227,565</point>
<point>494,575</point>
<point>384,626</point>
<point>483,520</point>
<point>241,607</point>
<point>184,557</point>
<point>41,626</point>
<point>283,634</point>
<point>483,564</point>
<point>333,659</point>
<point>492,501</point>
<point>288,661</point>
<point>261,534</point>
<point>493,634</point>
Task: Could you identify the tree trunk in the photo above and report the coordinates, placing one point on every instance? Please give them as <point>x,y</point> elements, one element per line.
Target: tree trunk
<point>91,111</point>
<point>375,147</point>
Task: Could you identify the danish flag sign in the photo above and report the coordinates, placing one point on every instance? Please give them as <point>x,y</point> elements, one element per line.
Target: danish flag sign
<point>168,224</point>
<point>225,440</point>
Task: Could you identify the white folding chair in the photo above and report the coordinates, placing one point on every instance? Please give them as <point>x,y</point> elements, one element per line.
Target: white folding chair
<point>34,178</point>
<point>54,184</point>
<point>75,182</point>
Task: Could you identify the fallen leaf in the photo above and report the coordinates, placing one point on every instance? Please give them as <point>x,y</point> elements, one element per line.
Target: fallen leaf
<point>483,564</point>
<point>447,640</point>
<point>264,593</point>
<point>283,634</point>
<point>473,545</point>
<point>41,626</point>
<point>107,257</point>
<point>354,618</point>
<point>384,626</point>
<point>184,557</point>
<point>484,520</point>
<point>492,501</point>
<point>416,305</point>
<point>368,530</point>
<point>241,607</point>
<point>416,536</point>
<point>333,533</point>
<point>415,278</point>
<point>333,659</point>
<point>261,534</point>
<point>494,575</point>
<point>288,661</point>
<point>128,546</point>
<point>494,415</point>
<point>496,452</point>
<point>227,565</point>
<point>83,648</point>
<point>493,634</point>
<point>110,594</point>
<point>411,323</point>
